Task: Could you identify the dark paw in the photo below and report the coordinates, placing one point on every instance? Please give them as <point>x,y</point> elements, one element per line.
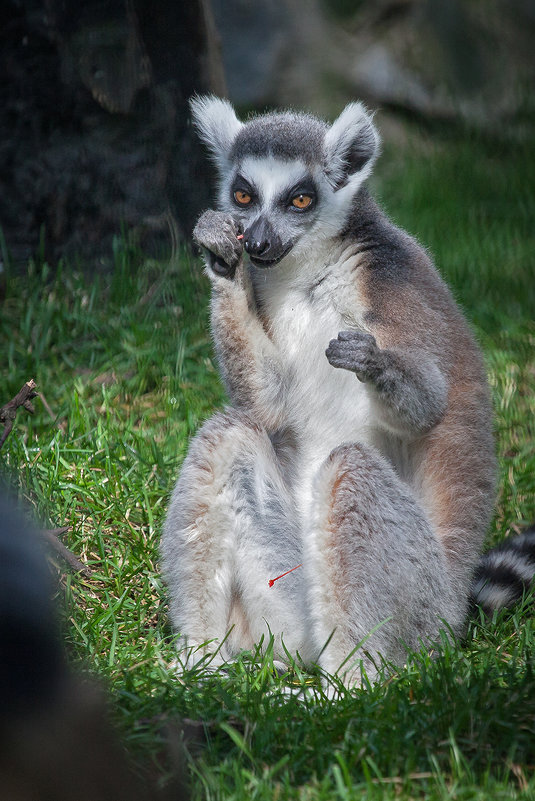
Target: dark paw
<point>217,234</point>
<point>355,351</point>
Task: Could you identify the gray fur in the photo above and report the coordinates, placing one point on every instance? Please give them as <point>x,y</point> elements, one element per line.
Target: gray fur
<point>359,440</point>
<point>284,135</point>
<point>403,589</point>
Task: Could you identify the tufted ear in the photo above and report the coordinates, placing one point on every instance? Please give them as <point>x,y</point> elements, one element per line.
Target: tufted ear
<point>217,124</point>
<point>351,147</point>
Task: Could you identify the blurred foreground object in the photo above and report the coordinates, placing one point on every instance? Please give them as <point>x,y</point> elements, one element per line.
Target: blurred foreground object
<point>56,741</point>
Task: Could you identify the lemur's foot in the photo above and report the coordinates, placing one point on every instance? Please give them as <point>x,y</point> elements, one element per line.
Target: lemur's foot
<point>217,234</point>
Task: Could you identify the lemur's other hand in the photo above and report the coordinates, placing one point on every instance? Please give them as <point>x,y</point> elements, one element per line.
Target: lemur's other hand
<point>356,351</point>
<point>217,234</point>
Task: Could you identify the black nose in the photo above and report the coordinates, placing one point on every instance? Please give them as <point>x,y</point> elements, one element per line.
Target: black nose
<point>262,243</point>
<point>260,238</point>
<point>256,247</point>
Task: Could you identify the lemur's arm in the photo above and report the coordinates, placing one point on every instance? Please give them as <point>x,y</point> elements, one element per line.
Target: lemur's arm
<point>408,389</point>
<point>248,359</point>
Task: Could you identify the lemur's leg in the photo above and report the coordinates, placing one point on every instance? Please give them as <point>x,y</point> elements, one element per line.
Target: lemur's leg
<point>229,530</point>
<point>376,572</point>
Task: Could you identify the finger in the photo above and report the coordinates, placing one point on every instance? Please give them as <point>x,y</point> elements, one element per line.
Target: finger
<point>349,350</point>
<point>335,362</point>
<point>221,267</point>
<point>346,343</point>
<point>345,336</point>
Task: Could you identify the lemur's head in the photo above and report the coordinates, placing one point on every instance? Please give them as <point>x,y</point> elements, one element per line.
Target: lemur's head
<point>288,179</point>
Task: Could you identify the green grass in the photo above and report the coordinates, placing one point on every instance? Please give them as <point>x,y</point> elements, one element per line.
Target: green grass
<point>127,369</point>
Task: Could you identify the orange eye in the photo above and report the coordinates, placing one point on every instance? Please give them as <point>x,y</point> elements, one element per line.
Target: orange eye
<point>301,201</point>
<point>241,197</point>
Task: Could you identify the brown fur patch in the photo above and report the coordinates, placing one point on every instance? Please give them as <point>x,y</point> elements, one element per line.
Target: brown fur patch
<point>241,358</point>
<point>458,472</point>
<point>240,637</point>
<point>455,464</point>
<point>337,558</point>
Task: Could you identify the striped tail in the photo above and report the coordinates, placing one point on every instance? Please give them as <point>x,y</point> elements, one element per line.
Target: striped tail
<point>505,573</point>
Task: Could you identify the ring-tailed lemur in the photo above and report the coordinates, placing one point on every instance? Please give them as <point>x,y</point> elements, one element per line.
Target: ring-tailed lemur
<point>359,439</point>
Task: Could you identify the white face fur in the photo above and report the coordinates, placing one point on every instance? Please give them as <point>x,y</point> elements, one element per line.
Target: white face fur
<point>290,181</point>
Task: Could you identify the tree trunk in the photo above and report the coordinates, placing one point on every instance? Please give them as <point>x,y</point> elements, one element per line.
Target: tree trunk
<point>95,123</point>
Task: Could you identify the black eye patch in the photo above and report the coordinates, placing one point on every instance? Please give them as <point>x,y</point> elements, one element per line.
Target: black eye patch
<point>305,187</point>
<point>240,184</point>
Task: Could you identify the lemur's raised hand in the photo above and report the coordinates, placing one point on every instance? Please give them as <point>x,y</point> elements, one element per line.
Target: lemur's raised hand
<point>217,234</point>
<point>358,441</point>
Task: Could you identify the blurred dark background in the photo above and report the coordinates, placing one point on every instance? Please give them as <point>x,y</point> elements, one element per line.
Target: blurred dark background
<point>95,137</point>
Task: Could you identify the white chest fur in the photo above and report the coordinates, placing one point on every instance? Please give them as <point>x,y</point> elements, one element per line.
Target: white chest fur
<point>327,406</point>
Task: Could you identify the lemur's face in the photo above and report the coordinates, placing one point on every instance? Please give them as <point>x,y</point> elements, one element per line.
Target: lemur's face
<point>287,179</point>
<point>275,202</point>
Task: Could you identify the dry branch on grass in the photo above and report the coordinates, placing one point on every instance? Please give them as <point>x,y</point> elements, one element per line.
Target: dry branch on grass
<point>52,537</point>
<point>9,411</point>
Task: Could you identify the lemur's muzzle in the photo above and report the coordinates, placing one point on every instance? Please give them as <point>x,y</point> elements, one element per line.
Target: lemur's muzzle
<point>263,245</point>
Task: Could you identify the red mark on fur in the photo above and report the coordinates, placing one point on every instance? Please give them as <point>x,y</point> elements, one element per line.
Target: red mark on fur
<point>240,236</point>
<point>272,581</point>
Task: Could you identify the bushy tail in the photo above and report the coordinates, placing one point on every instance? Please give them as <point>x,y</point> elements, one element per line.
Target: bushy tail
<point>505,572</point>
